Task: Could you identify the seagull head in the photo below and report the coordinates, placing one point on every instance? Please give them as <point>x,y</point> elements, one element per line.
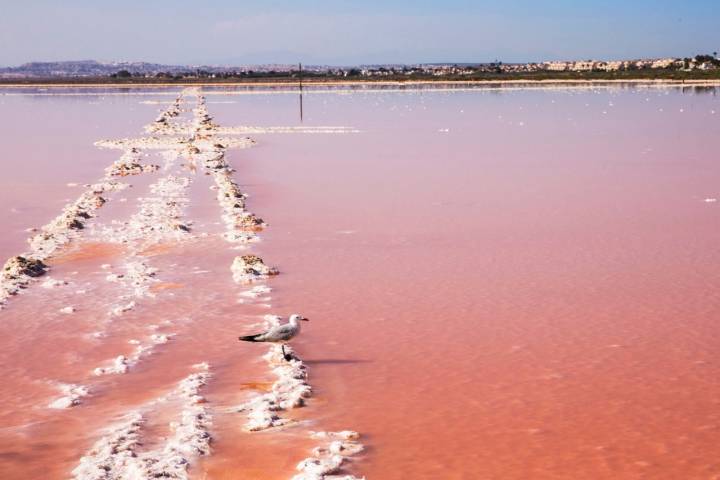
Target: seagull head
<point>295,317</point>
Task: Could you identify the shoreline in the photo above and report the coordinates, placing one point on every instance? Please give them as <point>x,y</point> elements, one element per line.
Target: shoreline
<point>410,83</point>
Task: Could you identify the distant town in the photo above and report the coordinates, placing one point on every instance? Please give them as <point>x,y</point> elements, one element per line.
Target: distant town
<point>89,71</point>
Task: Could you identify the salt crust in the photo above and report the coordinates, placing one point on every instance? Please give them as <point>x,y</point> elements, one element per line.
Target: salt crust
<point>122,364</point>
<point>118,455</point>
<point>328,458</point>
<point>71,396</point>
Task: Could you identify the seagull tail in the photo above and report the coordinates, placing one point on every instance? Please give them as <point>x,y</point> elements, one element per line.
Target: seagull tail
<point>250,338</point>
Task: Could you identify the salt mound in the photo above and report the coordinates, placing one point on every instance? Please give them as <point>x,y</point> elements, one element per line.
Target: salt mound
<point>17,273</point>
<point>249,268</point>
<point>328,458</point>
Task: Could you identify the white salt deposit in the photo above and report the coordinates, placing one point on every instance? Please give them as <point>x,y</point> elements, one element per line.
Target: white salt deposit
<point>256,291</point>
<point>118,454</point>
<point>250,268</point>
<point>122,364</point>
<point>52,283</point>
<point>328,458</point>
<point>289,390</point>
<point>71,396</point>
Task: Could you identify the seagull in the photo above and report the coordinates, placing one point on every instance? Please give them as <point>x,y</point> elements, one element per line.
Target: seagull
<point>278,333</point>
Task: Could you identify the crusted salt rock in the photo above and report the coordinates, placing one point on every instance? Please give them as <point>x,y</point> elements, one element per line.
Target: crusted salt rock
<point>19,266</point>
<point>250,221</point>
<point>248,268</point>
<point>129,164</point>
<point>318,468</point>
<point>17,273</point>
<point>67,310</point>
<point>328,458</point>
<point>72,395</point>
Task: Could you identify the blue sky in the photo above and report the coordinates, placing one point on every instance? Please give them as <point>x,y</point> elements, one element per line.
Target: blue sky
<point>344,32</point>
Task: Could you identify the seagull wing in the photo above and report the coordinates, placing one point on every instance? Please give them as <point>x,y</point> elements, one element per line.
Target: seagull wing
<point>279,333</point>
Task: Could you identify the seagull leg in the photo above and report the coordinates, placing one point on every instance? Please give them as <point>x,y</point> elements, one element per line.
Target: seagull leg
<point>286,356</point>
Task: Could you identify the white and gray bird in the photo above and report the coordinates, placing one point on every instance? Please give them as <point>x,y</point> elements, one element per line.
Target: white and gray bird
<point>278,333</point>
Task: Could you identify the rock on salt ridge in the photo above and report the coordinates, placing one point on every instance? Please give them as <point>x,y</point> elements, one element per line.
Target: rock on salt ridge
<point>289,390</point>
<point>250,268</point>
<point>328,458</point>
<point>17,273</point>
<point>117,455</point>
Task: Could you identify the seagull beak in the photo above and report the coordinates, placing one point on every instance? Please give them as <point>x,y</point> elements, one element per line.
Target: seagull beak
<point>304,319</point>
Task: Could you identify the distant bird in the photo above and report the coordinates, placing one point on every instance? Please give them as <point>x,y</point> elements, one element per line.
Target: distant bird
<point>278,334</point>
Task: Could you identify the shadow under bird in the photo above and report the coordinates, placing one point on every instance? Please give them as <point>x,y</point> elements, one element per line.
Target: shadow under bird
<point>278,333</point>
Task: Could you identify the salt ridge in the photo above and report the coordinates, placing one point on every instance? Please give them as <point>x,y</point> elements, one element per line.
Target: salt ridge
<point>118,455</point>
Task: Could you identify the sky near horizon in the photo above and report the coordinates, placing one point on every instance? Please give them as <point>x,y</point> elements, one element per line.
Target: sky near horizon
<point>345,32</point>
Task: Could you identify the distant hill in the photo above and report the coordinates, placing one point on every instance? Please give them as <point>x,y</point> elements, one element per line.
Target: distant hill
<point>93,68</point>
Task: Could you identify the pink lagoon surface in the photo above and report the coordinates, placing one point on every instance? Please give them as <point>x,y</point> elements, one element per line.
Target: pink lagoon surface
<point>502,283</point>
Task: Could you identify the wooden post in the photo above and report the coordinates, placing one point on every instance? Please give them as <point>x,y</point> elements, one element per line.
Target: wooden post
<point>301,91</point>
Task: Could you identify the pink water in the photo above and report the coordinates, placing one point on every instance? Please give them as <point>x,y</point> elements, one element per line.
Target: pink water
<point>501,284</point>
